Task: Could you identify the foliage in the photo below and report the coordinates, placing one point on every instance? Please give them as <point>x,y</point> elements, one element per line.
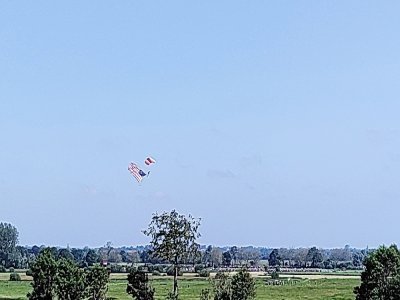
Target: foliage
<point>15,277</point>
<point>8,242</point>
<point>204,273</point>
<point>274,258</point>
<point>173,239</point>
<point>243,286</point>
<point>222,286</point>
<point>171,271</point>
<point>205,294</point>
<point>172,296</point>
<point>274,275</point>
<point>91,257</point>
<point>97,278</point>
<point>381,277</point>
<point>44,272</point>
<point>315,256</point>
<point>65,253</point>
<point>70,280</point>
<point>138,286</point>
<point>226,258</point>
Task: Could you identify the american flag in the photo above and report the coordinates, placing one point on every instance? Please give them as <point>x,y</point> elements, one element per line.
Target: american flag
<point>136,172</point>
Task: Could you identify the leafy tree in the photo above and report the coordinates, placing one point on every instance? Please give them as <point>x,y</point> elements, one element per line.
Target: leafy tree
<point>226,258</point>
<point>206,259</point>
<point>8,241</point>
<point>79,254</point>
<point>243,286</point>
<point>315,256</point>
<point>173,239</point>
<point>216,257</point>
<point>70,280</point>
<point>91,257</point>
<point>97,282</point>
<point>44,272</point>
<point>274,258</point>
<point>222,286</point>
<point>381,278</point>
<point>138,286</point>
<point>234,253</point>
<point>65,253</point>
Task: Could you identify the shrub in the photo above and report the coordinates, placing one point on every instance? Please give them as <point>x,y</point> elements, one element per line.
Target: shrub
<point>29,272</point>
<point>11,270</point>
<point>139,287</point>
<point>204,273</point>
<point>170,271</point>
<point>15,277</point>
<point>3,269</point>
<point>274,275</point>
<point>198,268</point>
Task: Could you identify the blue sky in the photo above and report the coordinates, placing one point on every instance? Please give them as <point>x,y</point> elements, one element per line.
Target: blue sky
<point>276,122</point>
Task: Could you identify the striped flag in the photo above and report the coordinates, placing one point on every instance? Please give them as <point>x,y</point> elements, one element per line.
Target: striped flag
<point>149,160</point>
<point>136,172</point>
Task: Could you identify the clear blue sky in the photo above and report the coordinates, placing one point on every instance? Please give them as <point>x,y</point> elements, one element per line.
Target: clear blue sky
<point>276,122</point>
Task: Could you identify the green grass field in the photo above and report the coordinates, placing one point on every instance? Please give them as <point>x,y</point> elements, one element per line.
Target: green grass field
<point>318,289</point>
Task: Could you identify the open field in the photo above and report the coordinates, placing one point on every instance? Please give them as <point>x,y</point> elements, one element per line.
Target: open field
<point>312,289</point>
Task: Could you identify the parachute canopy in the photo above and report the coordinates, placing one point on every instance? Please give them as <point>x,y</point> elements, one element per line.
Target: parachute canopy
<point>149,160</point>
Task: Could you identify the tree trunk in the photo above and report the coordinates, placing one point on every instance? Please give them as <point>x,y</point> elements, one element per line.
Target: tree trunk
<point>175,280</point>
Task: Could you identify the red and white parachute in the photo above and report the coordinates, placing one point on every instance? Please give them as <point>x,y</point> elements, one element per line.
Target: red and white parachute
<point>149,160</point>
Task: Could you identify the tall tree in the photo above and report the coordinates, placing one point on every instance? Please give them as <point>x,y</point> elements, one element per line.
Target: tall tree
<point>44,272</point>
<point>91,257</point>
<point>8,241</point>
<point>274,258</point>
<point>234,253</point>
<point>315,256</point>
<point>226,258</point>
<point>381,278</point>
<point>216,257</point>
<point>173,239</point>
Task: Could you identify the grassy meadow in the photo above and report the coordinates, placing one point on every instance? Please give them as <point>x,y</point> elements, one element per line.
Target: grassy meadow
<point>311,289</point>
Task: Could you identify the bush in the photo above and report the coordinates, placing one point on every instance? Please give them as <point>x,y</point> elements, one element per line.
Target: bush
<point>198,268</point>
<point>204,273</point>
<point>3,269</point>
<point>15,277</point>
<point>29,273</point>
<point>170,271</point>
<point>115,268</point>
<point>139,287</point>
<point>11,270</point>
<point>274,275</point>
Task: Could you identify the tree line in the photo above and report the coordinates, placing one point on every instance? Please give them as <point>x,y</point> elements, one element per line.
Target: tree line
<point>17,256</point>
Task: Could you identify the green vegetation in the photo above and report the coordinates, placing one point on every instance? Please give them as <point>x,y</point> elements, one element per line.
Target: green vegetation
<point>381,278</point>
<point>190,289</point>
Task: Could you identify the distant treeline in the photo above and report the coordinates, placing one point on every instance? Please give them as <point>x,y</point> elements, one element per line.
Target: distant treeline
<point>17,256</point>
